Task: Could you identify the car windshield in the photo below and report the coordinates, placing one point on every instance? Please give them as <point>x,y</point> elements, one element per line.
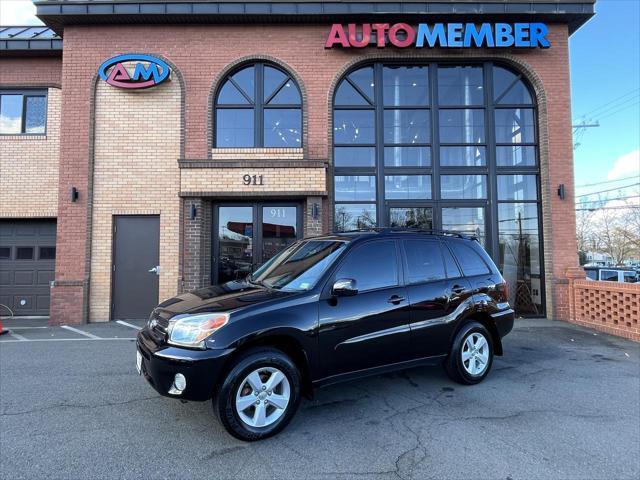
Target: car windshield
<point>299,267</point>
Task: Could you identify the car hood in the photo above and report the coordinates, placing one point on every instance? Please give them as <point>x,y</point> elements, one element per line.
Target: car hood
<point>218,298</point>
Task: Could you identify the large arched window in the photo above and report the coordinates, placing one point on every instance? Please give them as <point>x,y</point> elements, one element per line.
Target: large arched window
<point>258,105</point>
<point>443,146</point>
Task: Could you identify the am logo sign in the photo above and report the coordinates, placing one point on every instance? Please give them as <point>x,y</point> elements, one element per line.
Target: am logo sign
<point>148,71</point>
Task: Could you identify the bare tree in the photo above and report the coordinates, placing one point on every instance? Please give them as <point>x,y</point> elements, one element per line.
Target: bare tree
<point>612,232</point>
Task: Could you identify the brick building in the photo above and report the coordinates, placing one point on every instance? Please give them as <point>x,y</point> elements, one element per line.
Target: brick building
<point>262,122</point>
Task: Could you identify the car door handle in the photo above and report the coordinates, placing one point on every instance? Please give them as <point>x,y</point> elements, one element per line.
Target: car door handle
<point>395,299</point>
<point>457,289</point>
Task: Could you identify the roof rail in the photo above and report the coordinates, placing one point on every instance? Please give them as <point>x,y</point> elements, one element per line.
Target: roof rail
<point>385,230</point>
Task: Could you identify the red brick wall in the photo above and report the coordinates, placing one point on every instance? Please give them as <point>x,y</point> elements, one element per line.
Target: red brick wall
<point>201,53</point>
<point>32,71</point>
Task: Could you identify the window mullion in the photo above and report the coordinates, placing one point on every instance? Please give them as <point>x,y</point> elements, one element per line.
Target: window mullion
<point>259,107</point>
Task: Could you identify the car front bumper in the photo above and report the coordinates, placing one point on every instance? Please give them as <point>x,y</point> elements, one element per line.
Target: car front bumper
<point>160,364</point>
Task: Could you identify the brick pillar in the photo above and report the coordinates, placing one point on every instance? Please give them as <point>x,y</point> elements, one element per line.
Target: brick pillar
<point>573,273</point>
<point>196,243</point>
<point>313,226</point>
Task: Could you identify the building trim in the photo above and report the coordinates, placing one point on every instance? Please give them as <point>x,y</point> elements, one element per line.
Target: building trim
<point>226,195</point>
<point>189,163</point>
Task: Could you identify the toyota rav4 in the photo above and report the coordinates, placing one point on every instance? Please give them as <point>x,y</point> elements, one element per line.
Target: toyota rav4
<point>324,310</point>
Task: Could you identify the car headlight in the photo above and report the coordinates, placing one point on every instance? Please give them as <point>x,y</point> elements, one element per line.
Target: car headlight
<point>193,330</point>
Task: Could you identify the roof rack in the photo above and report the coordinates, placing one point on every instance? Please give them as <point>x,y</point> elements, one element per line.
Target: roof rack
<point>385,230</point>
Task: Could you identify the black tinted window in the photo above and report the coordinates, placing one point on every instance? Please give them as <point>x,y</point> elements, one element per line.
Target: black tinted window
<point>424,261</point>
<point>609,275</point>
<point>374,265</point>
<point>470,261</point>
<point>453,271</point>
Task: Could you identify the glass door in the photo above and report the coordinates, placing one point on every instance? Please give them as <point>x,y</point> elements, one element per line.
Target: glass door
<point>247,235</point>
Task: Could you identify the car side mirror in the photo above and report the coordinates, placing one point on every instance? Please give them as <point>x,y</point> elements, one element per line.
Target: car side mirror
<point>344,287</point>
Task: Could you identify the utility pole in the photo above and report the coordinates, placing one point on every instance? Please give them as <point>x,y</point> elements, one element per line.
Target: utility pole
<point>581,128</point>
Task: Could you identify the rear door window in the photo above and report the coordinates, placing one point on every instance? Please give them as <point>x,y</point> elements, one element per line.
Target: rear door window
<point>629,277</point>
<point>609,275</point>
<point>424,261</point>
<point>470,261</point>
<point>373,266</point>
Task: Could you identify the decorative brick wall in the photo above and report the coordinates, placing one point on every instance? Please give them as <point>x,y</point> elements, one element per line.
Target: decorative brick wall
<point>29,168</point>
<point>610,307</point>
<point>135,172</point>
<point>196,268</point>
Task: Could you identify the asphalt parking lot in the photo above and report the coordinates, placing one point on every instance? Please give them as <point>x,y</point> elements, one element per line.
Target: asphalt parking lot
<point>564,402</point>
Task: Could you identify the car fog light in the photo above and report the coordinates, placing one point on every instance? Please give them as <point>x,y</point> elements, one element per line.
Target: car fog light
<point>179,384</point>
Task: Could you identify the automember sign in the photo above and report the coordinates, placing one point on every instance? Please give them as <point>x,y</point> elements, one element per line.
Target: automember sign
<point>445,35</point>
<point>147,71</point>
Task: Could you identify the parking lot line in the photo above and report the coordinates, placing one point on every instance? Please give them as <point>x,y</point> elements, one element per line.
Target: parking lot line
<point>122,322</point>
<point>77,330</point>
<point>97,339</point>
<point>17,336</point>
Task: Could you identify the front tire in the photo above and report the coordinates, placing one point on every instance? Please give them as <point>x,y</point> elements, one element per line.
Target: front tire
<point>259,395</point>
<point>471,356</point>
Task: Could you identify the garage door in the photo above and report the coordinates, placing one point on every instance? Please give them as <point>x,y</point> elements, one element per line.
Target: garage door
<point>27,263</point>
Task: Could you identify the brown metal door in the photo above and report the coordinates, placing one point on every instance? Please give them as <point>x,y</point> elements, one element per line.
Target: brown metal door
<point>136,265</point>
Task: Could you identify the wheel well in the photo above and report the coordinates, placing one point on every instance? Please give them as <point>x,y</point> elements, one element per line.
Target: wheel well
<point>286,345</point>
<point>486,320</point>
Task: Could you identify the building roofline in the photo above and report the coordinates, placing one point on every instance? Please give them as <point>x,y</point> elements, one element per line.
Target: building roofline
<point>29,40</point>
<point>60,13</point>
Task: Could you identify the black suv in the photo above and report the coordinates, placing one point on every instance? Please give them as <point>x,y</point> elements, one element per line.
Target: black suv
<point>324,310</point>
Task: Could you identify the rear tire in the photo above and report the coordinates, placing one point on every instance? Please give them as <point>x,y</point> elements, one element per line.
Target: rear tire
<point>259,395</point>
<point>471,355</point>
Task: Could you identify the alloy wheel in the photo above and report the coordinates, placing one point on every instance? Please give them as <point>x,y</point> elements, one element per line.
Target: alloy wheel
<point>263,397</point>
<point>475,354</point>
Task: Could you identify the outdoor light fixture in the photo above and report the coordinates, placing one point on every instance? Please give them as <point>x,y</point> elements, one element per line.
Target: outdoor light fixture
<point>194,211</point>
<point>315,211</point>
<point>74,194</point>
<point>561,191</point>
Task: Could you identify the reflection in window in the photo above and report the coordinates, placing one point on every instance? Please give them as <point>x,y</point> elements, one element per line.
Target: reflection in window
<point>468,220</point>
<point>407,126</point>
<point>517,187</point>
<point>353,127</point>
<point>22,112</point>
<point>373,265</point>
<point>462,187</point>
<point>509,89</point>
<point>278,229</point>
<point>519,256</point>
<point>356,88</point>
<point>355,188</point>
<point>514,125</point>
<point>246,119</point>
<point>407,156</point>
<point>407,187</point>
<point>354,156</point>
<point>354,217</point>
<point>474,156</point>
<point>415,217</point>
<point>460,86</point>
<point>462,126</point>
<point>516,156</point>
<point>424,261</point>
<point>405,86</point>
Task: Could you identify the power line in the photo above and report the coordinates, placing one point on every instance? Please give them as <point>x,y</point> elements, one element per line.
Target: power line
<point>637,102</point>
<point>608,199</point>
<point>609,103</point>
<point>607,181</point>
<point>610,190</point>
<point>605,208</point>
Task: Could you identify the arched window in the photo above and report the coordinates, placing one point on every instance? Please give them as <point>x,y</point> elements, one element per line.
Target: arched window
<point>258,105</point>
<point>443,146</point>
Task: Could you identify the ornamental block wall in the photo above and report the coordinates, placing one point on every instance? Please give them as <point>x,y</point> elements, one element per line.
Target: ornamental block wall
<point>29,168</point>
<point>135,171</point>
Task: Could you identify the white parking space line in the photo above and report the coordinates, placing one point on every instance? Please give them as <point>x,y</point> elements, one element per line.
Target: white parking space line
<point>76,330</point>
<point>121,322</point>
<point>97,339</point>
<point>26,328</point>
<point>17,336</point>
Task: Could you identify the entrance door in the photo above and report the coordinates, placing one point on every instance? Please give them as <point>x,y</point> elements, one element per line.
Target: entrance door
<point>248,234</point>
<point>136,258</point>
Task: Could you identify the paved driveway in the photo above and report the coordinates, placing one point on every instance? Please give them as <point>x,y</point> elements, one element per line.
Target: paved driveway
<point>564,402</point>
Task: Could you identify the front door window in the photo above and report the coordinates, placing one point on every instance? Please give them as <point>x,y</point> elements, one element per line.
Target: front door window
<point>248,235</point>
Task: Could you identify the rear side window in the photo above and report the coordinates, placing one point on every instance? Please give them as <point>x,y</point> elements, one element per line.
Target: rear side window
<point>470,261</point>
<point>424,261</point>
<point>629,277</point>
<point>609,275</point>
<point>373,265</point>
